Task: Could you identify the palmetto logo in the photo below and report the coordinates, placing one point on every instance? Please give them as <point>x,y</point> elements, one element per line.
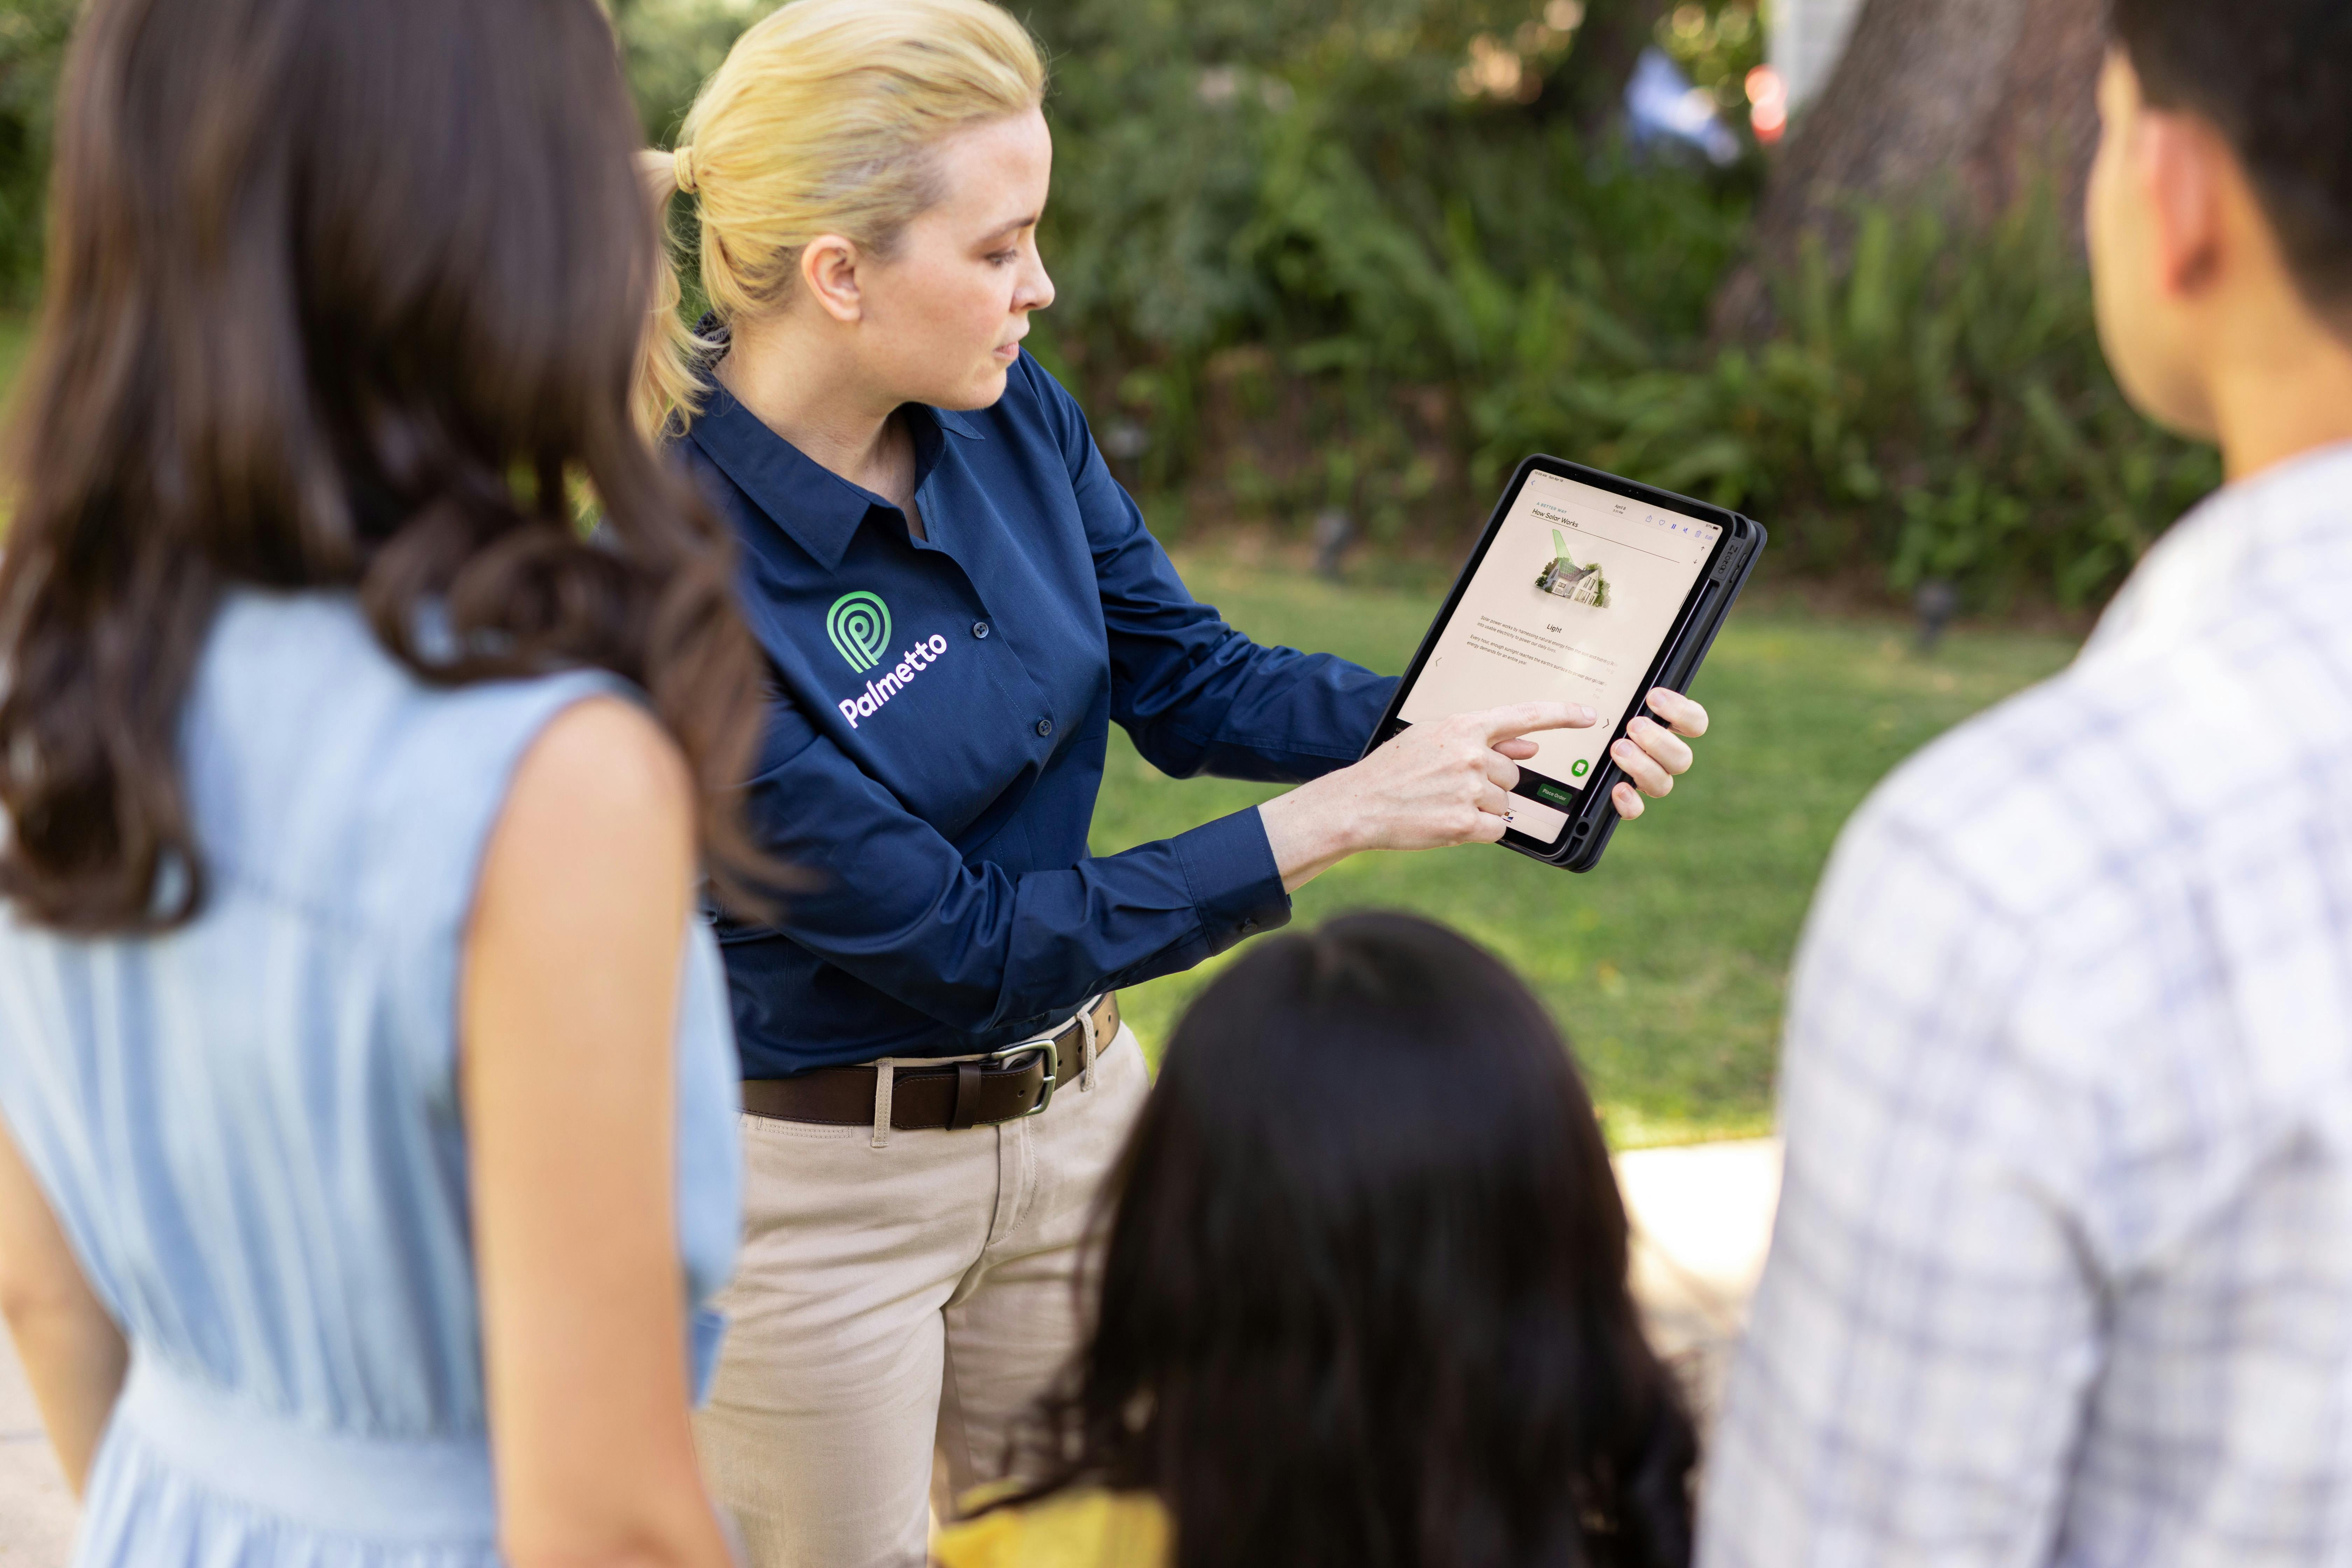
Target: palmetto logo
<point>859,626</point>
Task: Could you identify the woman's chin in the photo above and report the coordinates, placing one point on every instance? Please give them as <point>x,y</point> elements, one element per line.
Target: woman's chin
<point>981,392</point>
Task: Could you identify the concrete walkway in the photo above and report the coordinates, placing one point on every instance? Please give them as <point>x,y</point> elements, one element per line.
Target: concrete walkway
<point>1702,1220</point>
<point>1701,1217</point>
<point>37,1512</point>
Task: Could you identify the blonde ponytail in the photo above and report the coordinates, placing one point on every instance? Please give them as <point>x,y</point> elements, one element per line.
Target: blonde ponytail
<point>667,385</point>
<point>822,121</point>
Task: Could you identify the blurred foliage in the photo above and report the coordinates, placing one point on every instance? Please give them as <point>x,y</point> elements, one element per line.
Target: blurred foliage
<point>1315,254</point>
<point>32,45</point>
<point>1313,176</point>
<point>1717,46</point>
<point>1938,408</point>
<point>1290,235</point>
<point>1365,254</point>
<point>673,44</point>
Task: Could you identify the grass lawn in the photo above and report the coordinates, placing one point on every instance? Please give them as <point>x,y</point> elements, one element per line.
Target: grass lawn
<point>1667,965</point>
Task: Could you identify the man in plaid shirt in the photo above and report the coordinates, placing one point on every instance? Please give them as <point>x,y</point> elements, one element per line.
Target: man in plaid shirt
<point>2064,1266</point>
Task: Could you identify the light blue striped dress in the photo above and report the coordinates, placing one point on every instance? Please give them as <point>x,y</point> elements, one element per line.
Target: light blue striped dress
<point>249,1127</point>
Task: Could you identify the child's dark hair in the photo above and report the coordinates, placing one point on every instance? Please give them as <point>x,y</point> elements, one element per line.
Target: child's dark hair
<point>2275,78</point>
<point>1363,1298</point>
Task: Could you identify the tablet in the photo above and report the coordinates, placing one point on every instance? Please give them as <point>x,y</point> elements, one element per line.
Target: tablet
<point>1584,588</point>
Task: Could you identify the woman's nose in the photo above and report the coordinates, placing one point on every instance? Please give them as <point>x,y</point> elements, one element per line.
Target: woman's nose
<point>1038,290</point>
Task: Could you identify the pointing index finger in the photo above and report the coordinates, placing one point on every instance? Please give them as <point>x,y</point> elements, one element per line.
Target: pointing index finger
<point>1519,718</point>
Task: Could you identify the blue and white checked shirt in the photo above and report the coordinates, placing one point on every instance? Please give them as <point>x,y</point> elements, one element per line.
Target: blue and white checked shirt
<point>2062,1271</point>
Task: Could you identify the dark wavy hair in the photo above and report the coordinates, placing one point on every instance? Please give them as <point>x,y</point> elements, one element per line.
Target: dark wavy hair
<point>1362,1301</point>
<point>341,294</point>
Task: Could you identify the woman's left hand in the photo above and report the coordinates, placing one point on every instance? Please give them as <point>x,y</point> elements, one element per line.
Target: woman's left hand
<point>1653,753</point>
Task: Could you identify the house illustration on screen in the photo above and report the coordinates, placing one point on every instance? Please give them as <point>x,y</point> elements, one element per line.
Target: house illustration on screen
<point>1565,579</point>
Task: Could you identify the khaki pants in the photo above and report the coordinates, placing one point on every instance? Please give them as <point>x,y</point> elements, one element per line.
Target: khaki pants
<point>897,1303</point>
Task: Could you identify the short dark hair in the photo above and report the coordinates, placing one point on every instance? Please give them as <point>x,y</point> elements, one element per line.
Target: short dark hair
<point>2275,78</point>
<point>1363,1298</point>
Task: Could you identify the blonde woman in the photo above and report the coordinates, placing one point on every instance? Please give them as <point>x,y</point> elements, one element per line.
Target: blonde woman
<point>958,601</point>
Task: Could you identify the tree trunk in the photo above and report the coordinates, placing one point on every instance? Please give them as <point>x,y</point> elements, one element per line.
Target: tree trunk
<point>1963,102</point>
<point>1613,36</point>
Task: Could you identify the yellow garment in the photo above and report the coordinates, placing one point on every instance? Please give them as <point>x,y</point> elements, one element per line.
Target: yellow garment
<point>1090,1529</point>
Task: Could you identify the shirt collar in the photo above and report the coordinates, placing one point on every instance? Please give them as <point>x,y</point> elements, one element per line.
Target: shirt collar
<point>2293,504</point>
<point>961,423</point>
<point>819,508</point>
<point>2287,522</point>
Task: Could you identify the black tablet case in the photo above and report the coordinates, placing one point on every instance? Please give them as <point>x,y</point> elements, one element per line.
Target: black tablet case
<point>1593,823</point>
<point>1589,832</point>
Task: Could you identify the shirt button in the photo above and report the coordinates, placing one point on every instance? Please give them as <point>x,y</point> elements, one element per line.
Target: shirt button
<point>1044,726</point>
<point>1249,928</point>
<point>980,628</point>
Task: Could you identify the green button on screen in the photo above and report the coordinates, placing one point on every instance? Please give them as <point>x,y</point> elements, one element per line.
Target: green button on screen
<point>1554,793</point>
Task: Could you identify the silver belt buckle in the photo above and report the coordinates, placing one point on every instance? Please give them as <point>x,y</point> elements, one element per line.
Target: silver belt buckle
<point>1052,1054</point>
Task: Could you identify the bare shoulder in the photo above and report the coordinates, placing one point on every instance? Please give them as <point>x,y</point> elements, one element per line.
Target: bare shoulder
<point>601,766</point>
<point>598,825</point>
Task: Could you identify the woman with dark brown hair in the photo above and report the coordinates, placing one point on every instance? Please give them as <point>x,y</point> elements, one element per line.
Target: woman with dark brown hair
<point>366,1092</point>
<point>1362,1295</point>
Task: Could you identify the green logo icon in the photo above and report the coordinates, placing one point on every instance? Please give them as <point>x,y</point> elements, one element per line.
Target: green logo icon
<point>1581,769</point>
<point>859,626</point>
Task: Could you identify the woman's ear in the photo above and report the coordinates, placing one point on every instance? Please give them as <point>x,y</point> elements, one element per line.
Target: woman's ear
<point>829,267</point>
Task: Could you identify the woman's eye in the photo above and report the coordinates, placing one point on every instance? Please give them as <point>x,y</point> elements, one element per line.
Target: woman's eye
<point>1003,258</point>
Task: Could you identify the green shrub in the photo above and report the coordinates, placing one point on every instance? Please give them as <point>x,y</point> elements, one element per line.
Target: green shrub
<point>1315,270</point>
<point>671,46</point>
<point>1291,238</point>
<point>32,45</point>
<point>1366,254</point>
<point>1937,407</point>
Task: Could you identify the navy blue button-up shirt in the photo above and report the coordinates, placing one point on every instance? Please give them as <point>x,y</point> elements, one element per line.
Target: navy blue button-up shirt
<point>935,745</point>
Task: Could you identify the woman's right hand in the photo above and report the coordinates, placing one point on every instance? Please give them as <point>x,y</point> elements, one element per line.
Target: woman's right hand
<point>1433,785</point>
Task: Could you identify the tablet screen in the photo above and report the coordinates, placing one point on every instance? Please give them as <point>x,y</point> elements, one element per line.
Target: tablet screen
<point>1570,602</point>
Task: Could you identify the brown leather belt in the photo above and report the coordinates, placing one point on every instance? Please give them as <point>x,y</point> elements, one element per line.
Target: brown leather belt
<point>973,1091</point>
